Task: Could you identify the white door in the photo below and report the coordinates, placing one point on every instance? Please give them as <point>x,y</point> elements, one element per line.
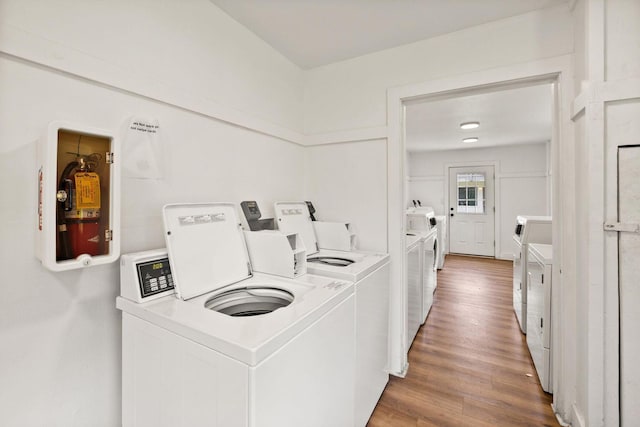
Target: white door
<point>471,210</point>
<point>629,253</point>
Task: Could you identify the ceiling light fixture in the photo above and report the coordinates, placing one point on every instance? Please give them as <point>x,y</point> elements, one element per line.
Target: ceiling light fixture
<point>472,139</point>
<point>469,125</point>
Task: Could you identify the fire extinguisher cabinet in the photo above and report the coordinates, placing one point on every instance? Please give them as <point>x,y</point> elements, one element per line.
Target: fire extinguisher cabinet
<point>78,197</point>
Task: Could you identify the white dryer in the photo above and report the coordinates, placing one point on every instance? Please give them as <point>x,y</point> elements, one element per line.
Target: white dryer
<point>441,226</point>
<point>230,348</point>
<point>370,272</point>
<point>529,229</point>
<point>424,225</point>
<point>539,320</point>
<point>415,289</point>
<point>423,218</point>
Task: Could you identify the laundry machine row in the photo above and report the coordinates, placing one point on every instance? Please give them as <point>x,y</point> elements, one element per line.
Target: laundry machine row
<point>206,341</point>
<point>539,319</point>
<point>414,287</point>
<point>424,224</point>
<point>529,229</point>
<point>331,252</point>
<point>231,346</point>
<point>422,241</point>
<point>431,221</point>
<point>440,224</point>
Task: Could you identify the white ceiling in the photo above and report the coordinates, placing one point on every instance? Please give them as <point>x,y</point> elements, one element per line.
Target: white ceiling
<point>312,33</point>
<point>507,117</point>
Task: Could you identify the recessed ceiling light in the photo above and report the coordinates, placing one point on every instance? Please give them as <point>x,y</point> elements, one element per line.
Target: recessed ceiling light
<point>473,139</point>
<point>469,125</point>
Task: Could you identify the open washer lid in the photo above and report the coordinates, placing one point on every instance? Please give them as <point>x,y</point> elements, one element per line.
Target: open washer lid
<point>206,247</point>
<point>294,217</point>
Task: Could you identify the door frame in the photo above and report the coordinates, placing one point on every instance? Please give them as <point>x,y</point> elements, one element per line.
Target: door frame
<point>556,70</point>
<point>496,199</point>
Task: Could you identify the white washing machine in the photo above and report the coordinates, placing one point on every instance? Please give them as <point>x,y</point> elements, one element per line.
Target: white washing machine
<point>431,221</point>
<point>539,264</point>
<point>230,348</point>
<point>529,229</point>
<point>370,272</point>
<point>415,288</point>
<point>441,226</point>
<point>424,226</point>
<point>429,279</point>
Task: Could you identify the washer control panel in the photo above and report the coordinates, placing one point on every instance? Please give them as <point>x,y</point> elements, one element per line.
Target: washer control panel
<point>154,276</point>
<point>145,276</point>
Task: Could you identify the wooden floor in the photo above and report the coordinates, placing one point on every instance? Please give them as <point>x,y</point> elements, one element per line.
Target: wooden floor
<point>469,364</point>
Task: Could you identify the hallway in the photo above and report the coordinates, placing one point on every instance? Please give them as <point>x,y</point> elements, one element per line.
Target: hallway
<point>469,364</point>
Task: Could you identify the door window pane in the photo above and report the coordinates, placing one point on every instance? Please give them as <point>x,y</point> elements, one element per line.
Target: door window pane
<point>471,193</point>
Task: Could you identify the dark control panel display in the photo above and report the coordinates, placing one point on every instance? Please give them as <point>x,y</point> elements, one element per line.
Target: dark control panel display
<point>154,277</point>
<point>519,229</point>
<point>312,210</point>
<point>252,213</point>
<point>251,210</point>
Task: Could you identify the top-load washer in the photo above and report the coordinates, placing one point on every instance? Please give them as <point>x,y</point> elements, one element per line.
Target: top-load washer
<point>441,226</point>
<point>370,272</point>
<point>431,221</point>
<point>423,225</point>
<point>207,342</point>
<point>539,320</point>
<point>415,288</point>
<point>529,229</point>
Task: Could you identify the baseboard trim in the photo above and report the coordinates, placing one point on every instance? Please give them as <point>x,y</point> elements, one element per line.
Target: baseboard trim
<point>577,420</point>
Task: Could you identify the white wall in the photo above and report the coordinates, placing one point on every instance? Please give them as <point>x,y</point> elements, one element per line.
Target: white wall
<point>59,333</point>
<point>191,47</point>
<point>352,94</point>
<point>348,101</point>
<point>605,116</point>
<point>523,186</point>
<point>358,194</point>
<point>60,341</point>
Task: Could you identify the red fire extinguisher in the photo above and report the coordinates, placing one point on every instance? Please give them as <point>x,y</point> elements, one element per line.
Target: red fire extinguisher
<point>78,210</point>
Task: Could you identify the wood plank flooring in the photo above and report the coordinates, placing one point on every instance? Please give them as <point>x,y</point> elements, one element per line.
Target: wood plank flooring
<point>469,364</point>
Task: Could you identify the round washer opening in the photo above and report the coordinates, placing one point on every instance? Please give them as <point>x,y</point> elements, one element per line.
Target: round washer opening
<point>249,301</point>
<point>331,260</point>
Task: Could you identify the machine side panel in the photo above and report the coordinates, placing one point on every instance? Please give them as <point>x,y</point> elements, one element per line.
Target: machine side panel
<point>327,387</point>
<point>429,276</point>
<point>372,340</point>
<point>170,381</point>
<point>414,289</point>
<point>518,283</point>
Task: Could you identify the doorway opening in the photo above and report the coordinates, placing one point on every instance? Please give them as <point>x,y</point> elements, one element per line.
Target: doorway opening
<point>481,187</point>
<point>472,210</point>
<point>555,73</point>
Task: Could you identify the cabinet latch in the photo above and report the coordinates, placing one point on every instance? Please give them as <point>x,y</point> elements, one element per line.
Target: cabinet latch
<point>622,227</point>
